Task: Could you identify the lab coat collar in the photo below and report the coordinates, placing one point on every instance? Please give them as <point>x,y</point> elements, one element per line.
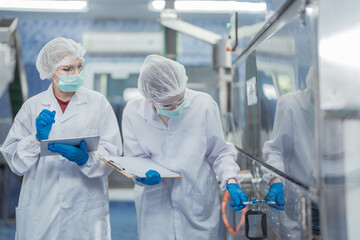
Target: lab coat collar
<point>304,99</point>
<point>78,98</point>
<point>71,110</point>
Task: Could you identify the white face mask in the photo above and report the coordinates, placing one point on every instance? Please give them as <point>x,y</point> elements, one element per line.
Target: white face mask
<point>172,113</point>
<point>70,83</point>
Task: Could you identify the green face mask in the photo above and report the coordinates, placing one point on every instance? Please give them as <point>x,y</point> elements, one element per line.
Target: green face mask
<point>70,83</point>
<point>172,113</point>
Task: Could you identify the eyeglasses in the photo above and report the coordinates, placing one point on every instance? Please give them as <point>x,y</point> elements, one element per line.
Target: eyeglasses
<point>71,69</point>
<point>168,106</point>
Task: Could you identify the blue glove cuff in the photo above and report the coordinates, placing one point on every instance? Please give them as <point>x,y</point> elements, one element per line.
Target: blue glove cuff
<point>231,186</point>
<point>237,195</point>
<point>40,138</point>
<point>83,161</point>
<point>277,186</point>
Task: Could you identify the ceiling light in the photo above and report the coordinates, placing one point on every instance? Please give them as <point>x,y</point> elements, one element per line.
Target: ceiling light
<point>158,5</point>
<point>210,6</point>
<point>43,6</point>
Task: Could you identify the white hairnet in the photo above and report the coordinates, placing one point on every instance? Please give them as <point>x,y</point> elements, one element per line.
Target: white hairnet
<point>161,78</point>
<point>55,53</point>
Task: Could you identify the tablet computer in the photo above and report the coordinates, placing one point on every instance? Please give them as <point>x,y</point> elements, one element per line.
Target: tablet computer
<point>91,142</point>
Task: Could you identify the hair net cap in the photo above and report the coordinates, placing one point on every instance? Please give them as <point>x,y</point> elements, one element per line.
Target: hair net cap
<point>161,78</point>
<point>55,53</point>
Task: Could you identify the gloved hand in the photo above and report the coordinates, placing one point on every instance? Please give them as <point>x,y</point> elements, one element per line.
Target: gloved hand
<point>275,194</point>
<point>152,178</point>
<point>44,123</point>
<point>72,153</point>
<point>237,195</point>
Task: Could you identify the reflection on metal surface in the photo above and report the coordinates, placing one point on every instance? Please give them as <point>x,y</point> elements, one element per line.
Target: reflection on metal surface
<point>290,129</point>
<point>275,130</point>
<point>295,222</point>
<point>280,83</point>
<point>249,27</point>
<point>276,171</point>
<point>291,146</point>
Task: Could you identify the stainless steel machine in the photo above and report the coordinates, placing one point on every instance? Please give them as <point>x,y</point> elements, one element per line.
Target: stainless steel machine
<point>13,92</point>
<point>295,116</point>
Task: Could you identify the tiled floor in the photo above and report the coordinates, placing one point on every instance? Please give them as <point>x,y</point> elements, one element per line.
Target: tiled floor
<point>8,232</point>
<point>122,219</point>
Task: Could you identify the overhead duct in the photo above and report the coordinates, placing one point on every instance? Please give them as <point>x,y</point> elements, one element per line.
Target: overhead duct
<point>191,30</point>
<point>123,43</point>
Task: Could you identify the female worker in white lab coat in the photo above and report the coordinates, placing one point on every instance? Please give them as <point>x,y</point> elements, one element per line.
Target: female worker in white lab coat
<point>63,196</point>
<point>181,130</point>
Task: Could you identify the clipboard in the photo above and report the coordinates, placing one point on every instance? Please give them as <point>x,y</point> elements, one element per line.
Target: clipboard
<point>136,167</point>
<point>91,142</point>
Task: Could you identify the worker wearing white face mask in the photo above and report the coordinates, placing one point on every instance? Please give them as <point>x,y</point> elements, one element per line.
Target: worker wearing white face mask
<point>181,130</point>
<point>63,196</point>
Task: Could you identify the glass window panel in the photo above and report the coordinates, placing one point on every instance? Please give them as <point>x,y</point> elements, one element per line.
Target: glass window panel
<point>276,123</point>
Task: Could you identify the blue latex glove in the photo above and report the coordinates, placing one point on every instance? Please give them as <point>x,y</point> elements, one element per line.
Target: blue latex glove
<point>237,195</point>
<point>72,153</point>
<point>152,178</point>
<point>275,194</point>
<point>44,123</point>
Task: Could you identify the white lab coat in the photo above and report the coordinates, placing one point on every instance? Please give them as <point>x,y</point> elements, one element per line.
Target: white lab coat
<point>292,147</point>
<point>59,199</point>
<point>192,144</point>
<point>292,150</point>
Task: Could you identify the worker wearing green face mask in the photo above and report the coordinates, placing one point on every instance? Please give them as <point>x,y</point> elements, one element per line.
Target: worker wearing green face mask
<point>70,83</point>
<point>61,192</point>
<point>180,129</point>
<point>171,113</point>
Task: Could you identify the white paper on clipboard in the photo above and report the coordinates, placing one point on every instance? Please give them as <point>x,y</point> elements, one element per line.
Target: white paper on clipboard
<point>91,142</point>
<point>136,167</point>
